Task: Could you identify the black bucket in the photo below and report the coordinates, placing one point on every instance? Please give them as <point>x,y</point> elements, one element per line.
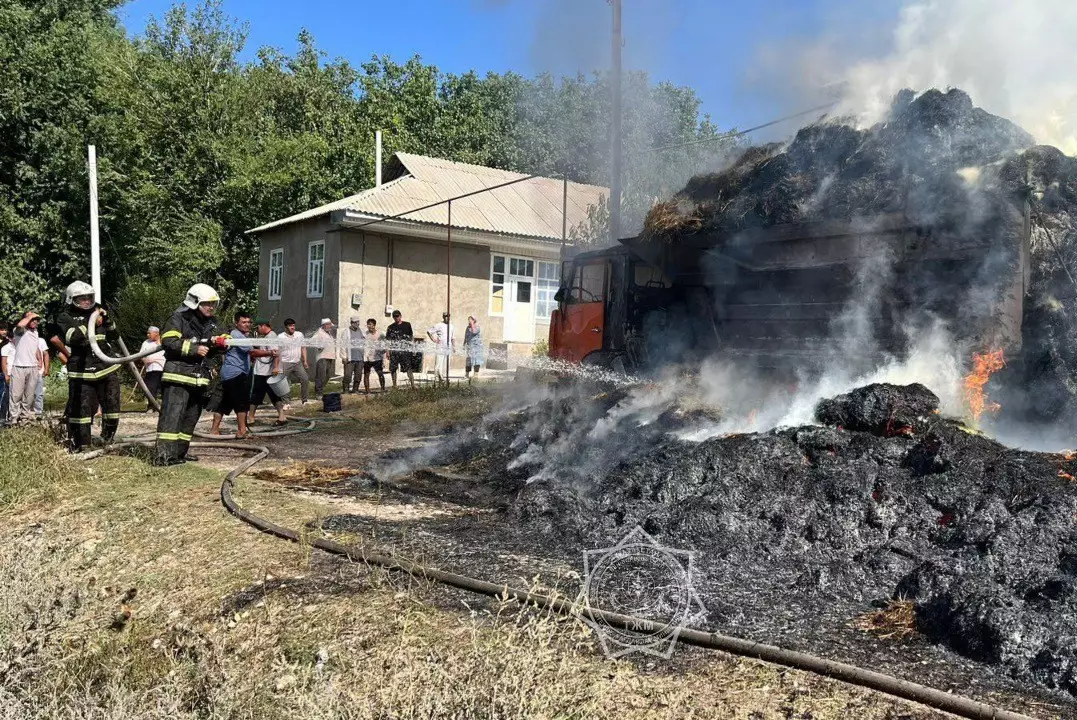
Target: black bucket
<point>331,402</point>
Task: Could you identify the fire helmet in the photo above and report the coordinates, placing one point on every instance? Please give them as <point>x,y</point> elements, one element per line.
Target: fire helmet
<point>200,293</point>
<point>78,289</point>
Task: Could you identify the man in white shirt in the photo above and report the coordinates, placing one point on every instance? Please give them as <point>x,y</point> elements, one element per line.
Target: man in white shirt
<point>153,365</point>
<point>327,357</point>
<point>25,368</point>
<point>443,335</point>
<point>293,358</point>
<point>351,350</point>
<point>39,394</point>
<point>267,363</point>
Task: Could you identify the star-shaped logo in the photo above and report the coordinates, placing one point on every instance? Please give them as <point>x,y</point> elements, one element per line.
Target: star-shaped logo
<point>651,584</point>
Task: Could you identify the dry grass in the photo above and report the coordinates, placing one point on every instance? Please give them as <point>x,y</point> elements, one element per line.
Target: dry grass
<point>33,466</point>
<point>894,622</point>
<point>303,472</point>
<point>137,596</point>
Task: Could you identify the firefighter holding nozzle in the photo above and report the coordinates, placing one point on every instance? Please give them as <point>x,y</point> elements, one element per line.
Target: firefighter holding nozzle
<point>190,338</point>
<point>90,381</point>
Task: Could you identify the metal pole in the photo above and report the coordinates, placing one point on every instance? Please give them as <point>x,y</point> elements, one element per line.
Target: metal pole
<point>448,295</point>
<point>615,129</point>
<point>95,239</point>
<point>564,213</point>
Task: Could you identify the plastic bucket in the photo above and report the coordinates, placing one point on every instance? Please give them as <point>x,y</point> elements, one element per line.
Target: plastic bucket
<point>279,385</point>
<point>331,402</point>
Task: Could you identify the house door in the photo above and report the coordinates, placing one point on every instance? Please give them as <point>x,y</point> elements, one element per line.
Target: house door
<point>520,301</point>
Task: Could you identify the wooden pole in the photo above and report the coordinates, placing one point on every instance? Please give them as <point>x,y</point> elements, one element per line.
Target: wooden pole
<point>615,129</point>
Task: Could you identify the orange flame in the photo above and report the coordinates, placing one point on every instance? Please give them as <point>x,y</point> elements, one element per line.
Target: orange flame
<point>983,366</point>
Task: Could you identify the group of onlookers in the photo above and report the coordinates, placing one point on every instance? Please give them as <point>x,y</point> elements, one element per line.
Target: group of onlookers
<point>245,377</point>
<point>363,349</point>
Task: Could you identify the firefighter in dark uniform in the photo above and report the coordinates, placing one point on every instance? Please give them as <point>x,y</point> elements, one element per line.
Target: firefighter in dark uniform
<point>91,381</point>
<point>189,338</point>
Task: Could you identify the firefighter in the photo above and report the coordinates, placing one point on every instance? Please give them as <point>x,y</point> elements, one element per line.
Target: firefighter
<point>190,339</point>
<point>90,381</point>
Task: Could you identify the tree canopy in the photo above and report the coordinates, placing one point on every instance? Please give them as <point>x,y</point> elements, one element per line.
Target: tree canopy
<point>197,145</point>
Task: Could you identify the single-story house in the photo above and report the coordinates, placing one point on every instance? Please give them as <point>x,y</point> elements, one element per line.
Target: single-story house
<point>356,257</point>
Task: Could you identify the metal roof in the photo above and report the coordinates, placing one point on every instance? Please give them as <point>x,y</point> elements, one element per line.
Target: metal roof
<point>531,208</point>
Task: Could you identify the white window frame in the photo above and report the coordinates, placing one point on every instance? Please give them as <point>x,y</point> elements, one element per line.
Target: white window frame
<point>315,270</point>
<point>276,273</point>
<point>539,287</point>
<point>504,285</point>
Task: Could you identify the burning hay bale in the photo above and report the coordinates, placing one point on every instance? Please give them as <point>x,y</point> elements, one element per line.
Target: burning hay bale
<point>882,409</point>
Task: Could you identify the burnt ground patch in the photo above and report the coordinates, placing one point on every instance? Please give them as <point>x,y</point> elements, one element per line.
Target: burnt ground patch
<point>797,531</point>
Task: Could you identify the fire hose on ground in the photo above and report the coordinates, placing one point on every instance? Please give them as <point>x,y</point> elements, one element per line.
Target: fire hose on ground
<point>896,687</point>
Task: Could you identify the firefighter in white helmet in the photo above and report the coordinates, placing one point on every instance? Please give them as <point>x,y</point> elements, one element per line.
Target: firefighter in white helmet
<point>90,381</point>
<point>189,338</point>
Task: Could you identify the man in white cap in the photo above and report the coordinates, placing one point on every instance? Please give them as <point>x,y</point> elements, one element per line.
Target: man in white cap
<point>154,363</point>
<point>324,339</point>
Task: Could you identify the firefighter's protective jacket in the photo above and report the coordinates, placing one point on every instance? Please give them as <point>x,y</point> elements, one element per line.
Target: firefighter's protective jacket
<point>182,335</point>
<point>74,329</point>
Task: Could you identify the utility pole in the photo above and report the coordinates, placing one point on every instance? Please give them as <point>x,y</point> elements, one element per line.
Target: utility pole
<point>615,128</point>
<point>95,238</point>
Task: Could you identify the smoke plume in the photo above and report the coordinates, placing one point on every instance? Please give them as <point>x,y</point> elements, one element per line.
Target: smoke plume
<point>1013,58</point>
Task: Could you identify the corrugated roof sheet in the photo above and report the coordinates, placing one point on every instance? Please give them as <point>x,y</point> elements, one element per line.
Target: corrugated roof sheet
<point>530,208</point>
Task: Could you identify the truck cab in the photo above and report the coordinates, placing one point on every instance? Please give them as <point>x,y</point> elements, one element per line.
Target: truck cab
<point>605,300</point>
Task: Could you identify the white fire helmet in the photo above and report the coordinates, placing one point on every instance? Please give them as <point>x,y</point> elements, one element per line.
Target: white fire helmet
<point>200,293</point>
<point>79,289</point>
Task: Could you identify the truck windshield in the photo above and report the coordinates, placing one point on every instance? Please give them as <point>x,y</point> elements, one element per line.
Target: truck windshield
<point>587,284</point>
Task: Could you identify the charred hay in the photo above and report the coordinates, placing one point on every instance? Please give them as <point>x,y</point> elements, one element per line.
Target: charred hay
<point>822,523</point>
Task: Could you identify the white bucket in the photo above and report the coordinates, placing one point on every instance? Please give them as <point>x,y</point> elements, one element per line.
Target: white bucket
<point>279,385</point>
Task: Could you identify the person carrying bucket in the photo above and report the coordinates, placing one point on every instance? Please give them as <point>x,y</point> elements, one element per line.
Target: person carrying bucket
<point>268,378</point>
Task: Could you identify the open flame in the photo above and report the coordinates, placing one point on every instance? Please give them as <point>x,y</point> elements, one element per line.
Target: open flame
<point>983,366</point>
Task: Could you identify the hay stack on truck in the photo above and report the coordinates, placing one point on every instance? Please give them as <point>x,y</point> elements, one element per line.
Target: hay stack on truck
<point>772,295</point>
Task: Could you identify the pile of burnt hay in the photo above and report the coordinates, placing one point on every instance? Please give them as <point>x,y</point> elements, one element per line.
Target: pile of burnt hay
<point>909,163</point>
<point>802,532</point>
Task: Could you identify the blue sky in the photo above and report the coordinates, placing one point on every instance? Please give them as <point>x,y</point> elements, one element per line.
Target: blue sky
<point>713,46</point>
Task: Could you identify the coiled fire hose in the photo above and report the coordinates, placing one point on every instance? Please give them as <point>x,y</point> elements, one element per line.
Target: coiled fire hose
<point>931,697</point>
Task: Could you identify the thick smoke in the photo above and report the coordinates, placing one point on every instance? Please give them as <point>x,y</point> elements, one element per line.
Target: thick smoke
<point>1013,58</point>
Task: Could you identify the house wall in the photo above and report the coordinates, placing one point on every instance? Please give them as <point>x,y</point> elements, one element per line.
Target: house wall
<point>403,272</point>
<point>409,274</point>
<point>294,303</point>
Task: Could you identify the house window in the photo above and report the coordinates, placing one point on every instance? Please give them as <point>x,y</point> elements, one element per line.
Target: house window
<point>521,267</point>
<point>545,288</point>
<point>276,273</point>
<point>497,285</point>
<point>315,269</point>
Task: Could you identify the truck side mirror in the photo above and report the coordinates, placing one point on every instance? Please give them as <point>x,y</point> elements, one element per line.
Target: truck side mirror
<point>561,295</point>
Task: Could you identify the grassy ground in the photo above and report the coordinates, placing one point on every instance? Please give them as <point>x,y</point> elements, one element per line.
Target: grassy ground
<point>128,592</point>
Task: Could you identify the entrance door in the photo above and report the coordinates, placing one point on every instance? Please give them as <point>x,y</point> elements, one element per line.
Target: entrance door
<point>520,300</point>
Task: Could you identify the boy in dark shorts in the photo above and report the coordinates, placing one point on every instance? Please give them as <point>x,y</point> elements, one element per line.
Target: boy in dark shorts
<point>397,334</point>
<point>266,365</point>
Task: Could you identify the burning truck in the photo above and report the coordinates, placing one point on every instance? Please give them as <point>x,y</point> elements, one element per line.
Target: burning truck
<point>943,213</point>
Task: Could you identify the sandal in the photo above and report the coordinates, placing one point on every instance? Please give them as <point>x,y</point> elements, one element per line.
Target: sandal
<point>281,423</point>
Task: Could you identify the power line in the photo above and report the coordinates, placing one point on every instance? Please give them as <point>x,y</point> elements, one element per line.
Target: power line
<point>724,136</point>
<point>738,133</point>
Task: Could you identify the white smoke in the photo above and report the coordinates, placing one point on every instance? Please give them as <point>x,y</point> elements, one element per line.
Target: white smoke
<point>1015,59</point>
